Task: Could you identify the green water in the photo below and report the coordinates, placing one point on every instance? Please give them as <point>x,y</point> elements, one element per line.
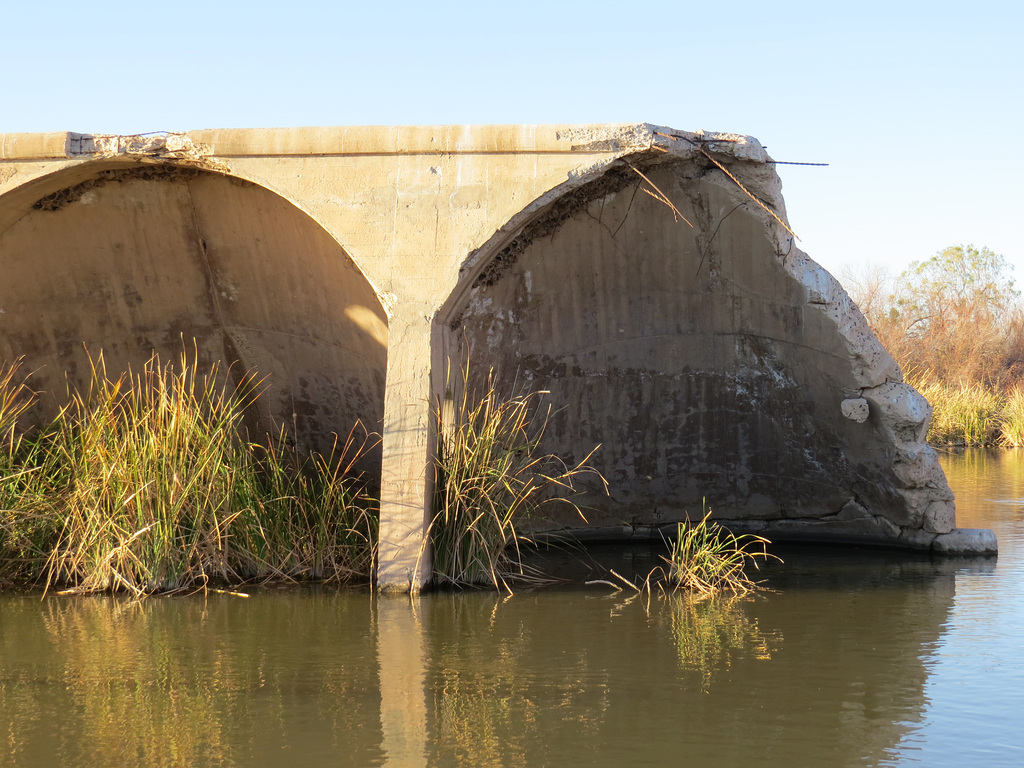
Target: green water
<point>853,658</point>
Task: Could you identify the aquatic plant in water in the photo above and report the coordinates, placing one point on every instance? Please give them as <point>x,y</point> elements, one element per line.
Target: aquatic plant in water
<point>706,559</point>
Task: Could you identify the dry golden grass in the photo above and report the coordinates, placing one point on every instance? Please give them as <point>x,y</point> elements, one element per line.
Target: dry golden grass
<point>491,479</point>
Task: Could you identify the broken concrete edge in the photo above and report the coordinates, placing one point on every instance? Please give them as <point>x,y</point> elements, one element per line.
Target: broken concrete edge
<point>901,411</point>
<point>160,144</point>
<point>69,145</point>
<point>879,392</point>
<point>964,542</point>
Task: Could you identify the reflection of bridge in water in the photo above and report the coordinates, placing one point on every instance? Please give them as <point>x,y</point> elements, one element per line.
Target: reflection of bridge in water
<point>815,674</point>
<point>828,670</point>
<point>643,276</point>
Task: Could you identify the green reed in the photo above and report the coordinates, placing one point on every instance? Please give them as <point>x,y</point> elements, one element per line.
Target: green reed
<point>306,517</point>
<point>15,400</point>
<point>23,532</point>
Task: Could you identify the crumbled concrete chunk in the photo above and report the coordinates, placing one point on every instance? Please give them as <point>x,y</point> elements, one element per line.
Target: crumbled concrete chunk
<point>855,409</point>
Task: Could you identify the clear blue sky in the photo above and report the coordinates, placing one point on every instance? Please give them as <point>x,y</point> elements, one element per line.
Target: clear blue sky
<point>917,107</point>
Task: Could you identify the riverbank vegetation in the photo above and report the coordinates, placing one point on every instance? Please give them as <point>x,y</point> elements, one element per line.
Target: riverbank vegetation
<point>955,324</point>
<point>147,482</point>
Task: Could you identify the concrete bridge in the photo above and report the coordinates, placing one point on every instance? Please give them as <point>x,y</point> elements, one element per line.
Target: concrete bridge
<point>644,276</point>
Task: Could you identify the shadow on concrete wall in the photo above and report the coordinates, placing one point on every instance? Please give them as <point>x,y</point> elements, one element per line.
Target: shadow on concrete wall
<point>134,259</point>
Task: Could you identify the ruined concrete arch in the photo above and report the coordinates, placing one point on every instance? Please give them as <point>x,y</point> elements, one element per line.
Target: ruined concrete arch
<point>717,362</point>
<point>132,255</point>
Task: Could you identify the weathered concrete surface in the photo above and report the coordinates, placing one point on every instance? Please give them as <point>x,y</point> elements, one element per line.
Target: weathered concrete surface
<point>144,258</point>
<point>351,264</point>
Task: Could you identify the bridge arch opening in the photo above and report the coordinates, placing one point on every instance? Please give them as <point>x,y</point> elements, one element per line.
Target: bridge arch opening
<point>699,362</point>
<point>132,259</point>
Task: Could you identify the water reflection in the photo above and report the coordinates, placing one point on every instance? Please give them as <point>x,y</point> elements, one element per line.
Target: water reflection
<point>189,682</point>
<point>975,687</point>
<point>708,634</point>
<point>982,477</point>
<point>828,668</point>
<point>804,676</point>
<point>402,664</point>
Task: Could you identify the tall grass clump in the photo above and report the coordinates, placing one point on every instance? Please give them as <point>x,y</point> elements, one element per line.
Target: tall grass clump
<point>705,559</point>
<point>147,482</point>
<point>143,465</point>
<point>15,400</point>
<point>491,479</point>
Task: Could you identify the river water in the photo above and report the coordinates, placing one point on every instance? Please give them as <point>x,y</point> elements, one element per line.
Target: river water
<point>853,658</point>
